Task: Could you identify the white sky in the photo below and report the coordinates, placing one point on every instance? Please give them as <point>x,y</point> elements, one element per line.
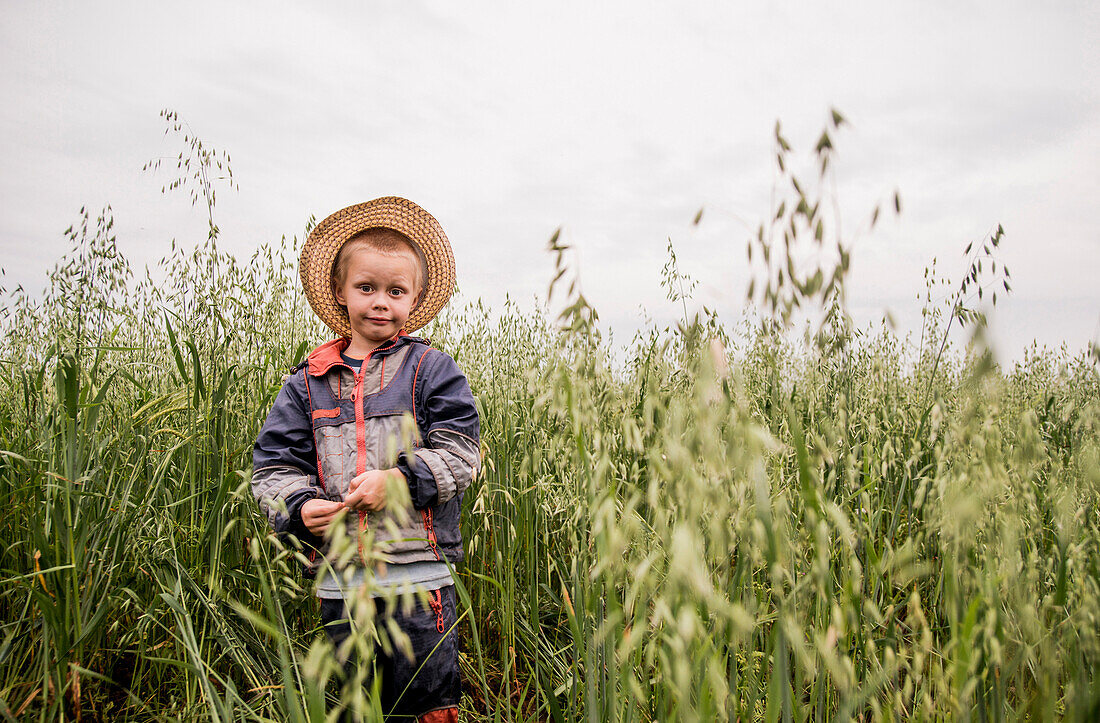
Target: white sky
<point>615,120</point>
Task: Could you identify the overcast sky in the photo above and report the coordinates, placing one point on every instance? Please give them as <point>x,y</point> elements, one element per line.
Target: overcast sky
<point>614,120</point>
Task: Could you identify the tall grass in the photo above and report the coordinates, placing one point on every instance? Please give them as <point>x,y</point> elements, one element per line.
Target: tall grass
<point>848,530</point>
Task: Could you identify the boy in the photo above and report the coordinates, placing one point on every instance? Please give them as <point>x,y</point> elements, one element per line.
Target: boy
<point>339,434</point>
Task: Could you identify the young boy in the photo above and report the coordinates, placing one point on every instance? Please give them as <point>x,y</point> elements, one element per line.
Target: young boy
<point>339,433</point>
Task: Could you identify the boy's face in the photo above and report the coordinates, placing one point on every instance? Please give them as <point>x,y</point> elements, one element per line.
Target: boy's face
<point>379,291</point>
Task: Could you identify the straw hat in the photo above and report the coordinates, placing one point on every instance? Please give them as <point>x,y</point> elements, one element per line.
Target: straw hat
<point>324,243</point>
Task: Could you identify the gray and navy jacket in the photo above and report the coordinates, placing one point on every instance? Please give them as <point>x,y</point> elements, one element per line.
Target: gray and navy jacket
<point>408,407</point>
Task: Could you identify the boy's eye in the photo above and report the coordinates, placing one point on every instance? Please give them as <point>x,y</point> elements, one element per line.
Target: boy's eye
<point>366,288</point>
<point>397,292</point>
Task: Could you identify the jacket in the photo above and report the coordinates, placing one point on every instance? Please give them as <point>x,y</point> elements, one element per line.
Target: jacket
<point>409,407</point>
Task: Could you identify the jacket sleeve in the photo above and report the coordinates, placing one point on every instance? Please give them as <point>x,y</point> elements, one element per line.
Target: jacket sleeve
<point>284,461</point>
<point>451,453</point>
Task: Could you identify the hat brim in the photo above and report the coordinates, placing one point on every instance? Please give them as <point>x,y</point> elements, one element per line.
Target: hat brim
<point>328,237</point>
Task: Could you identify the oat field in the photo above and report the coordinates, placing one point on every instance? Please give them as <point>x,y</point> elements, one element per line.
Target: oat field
<point>729,524</point>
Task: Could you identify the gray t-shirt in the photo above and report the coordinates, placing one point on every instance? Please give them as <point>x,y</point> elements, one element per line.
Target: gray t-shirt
<point>400,579</point>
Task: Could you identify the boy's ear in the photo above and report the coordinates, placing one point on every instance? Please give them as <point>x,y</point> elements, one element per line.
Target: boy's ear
<point>339,294</point>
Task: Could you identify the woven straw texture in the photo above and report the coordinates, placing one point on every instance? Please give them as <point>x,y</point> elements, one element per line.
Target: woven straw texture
<point>400,214</point>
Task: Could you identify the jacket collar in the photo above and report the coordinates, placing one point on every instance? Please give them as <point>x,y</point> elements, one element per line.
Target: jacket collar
<point>326,356</point>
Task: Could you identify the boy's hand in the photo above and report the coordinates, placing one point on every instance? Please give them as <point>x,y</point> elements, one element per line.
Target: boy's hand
<point>368,490</point>
<point>317,514</point>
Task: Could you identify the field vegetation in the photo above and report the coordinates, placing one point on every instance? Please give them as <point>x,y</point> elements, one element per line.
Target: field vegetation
<point>735,523</point>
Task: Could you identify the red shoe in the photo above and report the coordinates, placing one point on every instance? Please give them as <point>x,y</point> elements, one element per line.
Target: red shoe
<point>443,715</point>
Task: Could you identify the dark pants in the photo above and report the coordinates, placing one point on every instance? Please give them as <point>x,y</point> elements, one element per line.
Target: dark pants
<point>430,680</point>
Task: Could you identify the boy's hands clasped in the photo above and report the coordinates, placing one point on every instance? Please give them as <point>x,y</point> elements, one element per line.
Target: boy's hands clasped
<point>366,492</point>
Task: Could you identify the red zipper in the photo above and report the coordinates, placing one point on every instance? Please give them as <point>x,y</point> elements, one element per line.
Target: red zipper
<point>429,527</point>
<point>361,440</point>
<point>361,443</point>
<point>320,467</point>
<point>436,601</point>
